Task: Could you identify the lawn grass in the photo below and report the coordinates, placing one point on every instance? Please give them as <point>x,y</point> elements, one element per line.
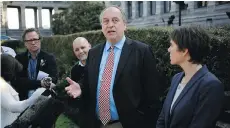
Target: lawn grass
<point>64,122</point>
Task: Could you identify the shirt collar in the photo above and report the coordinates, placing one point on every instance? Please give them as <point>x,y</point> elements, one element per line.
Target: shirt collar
<point>29,54</point>
<point>80,63</point>
<point>118,45</point>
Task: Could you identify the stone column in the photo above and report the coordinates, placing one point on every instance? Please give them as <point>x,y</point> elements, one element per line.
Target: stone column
<point>4,22</point>
<point>107,3</point>
<point>174,7</point>
<point>211,6</point>
<point>145,9</point>
<point>134,9</point>
<point>40,16</point>
<point>35,18</point>
<point>154,7</point>
<point>123,5</point>
<point>55,10</point>
<point>159,7</point>
<point>22,20</point>
<point>124,8</point>
<point>191,5</point>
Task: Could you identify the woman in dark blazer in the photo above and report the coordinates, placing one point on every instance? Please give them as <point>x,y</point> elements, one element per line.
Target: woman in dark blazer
<point>196,96</point>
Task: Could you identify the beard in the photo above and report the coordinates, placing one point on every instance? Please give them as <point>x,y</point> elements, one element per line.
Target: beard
<point>83,57</point>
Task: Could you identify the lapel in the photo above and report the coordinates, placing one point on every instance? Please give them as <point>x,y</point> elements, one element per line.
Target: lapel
<point>96,60</point>
<point>189,85</point>
<point>40,56</point>
<point>126,50</point>
<point>171,94</point>
<point>25,61</point>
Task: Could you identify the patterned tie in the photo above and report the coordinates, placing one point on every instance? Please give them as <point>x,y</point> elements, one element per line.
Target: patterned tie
<point>104,106</point>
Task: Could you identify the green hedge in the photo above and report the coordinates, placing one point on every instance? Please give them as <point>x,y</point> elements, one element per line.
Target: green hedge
<point>218,61</point>
<point>158,37</point>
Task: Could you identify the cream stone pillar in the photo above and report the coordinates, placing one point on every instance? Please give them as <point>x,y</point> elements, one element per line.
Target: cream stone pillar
<point>145,9</point>
<point>134,9</point>
<point>22,21</point>
<point>40,16</point>
<point>159,7</point>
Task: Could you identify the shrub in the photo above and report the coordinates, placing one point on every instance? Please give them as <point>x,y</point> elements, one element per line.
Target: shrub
<point>218,61</point>
<point>80,16</point>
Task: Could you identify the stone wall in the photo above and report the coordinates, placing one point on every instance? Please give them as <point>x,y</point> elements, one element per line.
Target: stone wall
<point>211,15</point>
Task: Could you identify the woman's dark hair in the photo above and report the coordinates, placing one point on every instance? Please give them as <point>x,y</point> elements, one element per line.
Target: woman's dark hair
<point>9,67</point>
<point>195,39</point>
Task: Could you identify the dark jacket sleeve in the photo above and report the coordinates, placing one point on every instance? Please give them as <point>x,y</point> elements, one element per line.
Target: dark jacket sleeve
<point>151,86</point>
<point>161,118</point>
<point>85,97</point>
<point>84,84</point>
<point>209,105</point>
<point>52,69</point>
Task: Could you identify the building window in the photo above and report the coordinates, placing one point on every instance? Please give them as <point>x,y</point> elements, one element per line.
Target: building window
<point>201,4</point>
<point>167,6</point>
<point>118,3</point>
<point>152,7</point>
<point>222,2</point>
<point>140,8</point>
<point>129,5</point>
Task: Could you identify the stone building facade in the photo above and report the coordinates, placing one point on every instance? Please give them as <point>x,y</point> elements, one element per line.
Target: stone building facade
<point>158,13</point>
<point>138,13</point>
<point>37,6</point>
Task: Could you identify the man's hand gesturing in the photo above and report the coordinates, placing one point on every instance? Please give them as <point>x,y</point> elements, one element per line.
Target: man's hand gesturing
<point>73,89</point>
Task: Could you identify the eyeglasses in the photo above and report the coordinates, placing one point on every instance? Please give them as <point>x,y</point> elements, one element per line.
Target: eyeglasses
<point>32,40</point>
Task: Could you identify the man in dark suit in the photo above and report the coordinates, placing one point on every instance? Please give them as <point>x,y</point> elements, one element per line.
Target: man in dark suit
<point>81,48</point>
<point>120,88</point>
<point>35,62</point>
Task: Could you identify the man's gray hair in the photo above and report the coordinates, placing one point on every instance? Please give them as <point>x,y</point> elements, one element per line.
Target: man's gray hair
<point>115,6</point>
<point>30,30</point>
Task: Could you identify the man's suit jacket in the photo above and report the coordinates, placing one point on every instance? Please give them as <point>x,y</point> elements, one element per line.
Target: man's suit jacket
<point>135,88</point>
<point>22,83</point>
<point>198,105</point>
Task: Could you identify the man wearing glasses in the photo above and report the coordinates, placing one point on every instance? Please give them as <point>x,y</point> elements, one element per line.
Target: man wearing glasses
<point>39,67</point>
